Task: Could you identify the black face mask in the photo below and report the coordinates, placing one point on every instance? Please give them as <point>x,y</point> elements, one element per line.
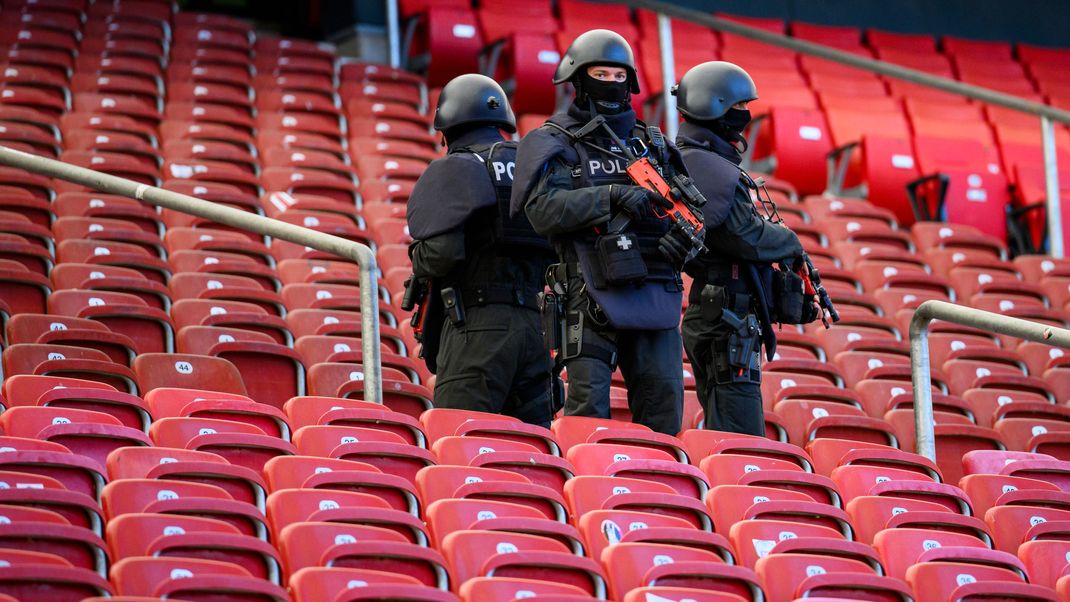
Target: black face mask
<point>736,120</point>
<point>609,98</point>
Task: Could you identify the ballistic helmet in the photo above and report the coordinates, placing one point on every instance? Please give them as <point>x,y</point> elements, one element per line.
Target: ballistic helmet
<point>597,47</point>
<point>473,98</point>
<point>707,91</point>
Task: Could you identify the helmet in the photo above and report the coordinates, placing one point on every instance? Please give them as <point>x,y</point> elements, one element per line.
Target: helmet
<point>708,90</point>
<point>597,47</point>
<point>473,98</point>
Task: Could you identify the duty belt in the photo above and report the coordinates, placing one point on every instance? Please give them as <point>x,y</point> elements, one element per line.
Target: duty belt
<point>498,295</point>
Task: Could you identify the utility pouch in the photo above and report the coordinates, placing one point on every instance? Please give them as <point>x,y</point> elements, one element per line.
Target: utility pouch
<point>452,305</point>
<point>553,324</point>
<point>620,258</point>
<point>712,302</point>
<point>790,303</point>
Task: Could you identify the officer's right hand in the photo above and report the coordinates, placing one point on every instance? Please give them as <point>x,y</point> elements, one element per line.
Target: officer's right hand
<point>632,200</point>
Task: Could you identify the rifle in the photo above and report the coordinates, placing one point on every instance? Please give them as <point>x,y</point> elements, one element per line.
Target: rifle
<point>644,171</point>
<point>804,268</point>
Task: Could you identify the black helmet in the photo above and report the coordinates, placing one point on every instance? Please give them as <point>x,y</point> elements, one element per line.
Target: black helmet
<point>707,91</point>
<point>597,47</point>
<point>473,98</point>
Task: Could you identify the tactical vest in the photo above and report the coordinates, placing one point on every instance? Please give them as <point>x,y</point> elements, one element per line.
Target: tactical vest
<point>513,235</point>
<point>506,258</point>
<point>656,303</point>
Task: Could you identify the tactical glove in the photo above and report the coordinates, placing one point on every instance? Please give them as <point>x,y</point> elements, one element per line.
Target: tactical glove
<point>675,246</point>
<point>635,201</point>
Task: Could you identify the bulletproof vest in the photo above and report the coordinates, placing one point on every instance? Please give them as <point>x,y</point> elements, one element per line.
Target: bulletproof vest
<point>512,235</point>
<point>506,258</point>
<point>597,167</point>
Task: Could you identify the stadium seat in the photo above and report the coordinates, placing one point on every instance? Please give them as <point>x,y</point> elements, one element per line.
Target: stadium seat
<point>901,548</point>
<point>170,402</point>
<point>323,583</point>
<point>187,465</point>
<point>630,461</point>
<point>304,472</point>
<point>286,507</point>
<point>465,482</point>
<point>240,443</point>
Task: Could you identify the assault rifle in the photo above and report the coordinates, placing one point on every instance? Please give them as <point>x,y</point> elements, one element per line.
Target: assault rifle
<point>644,171</point>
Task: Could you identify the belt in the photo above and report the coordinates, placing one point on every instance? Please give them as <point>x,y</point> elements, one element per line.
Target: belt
<point>500,296</point>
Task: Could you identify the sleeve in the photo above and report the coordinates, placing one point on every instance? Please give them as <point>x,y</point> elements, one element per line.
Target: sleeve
<point>553,207</point>
<point>745,235</point>
<point>437,256</point>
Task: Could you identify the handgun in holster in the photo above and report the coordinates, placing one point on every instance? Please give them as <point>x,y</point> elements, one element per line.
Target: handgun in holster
<point>741,342</point>
<point>551,310</point>
<point>453,305</point>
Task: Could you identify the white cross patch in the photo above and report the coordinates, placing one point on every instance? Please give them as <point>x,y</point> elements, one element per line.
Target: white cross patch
<point>624,243</point>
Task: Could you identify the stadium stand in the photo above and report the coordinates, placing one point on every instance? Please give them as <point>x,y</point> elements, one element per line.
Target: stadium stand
<point>182,413</point>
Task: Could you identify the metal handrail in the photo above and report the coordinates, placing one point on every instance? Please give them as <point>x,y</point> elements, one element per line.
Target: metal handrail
<point>921,375</point>
<point>1046,113</point>
<point>222,214</point>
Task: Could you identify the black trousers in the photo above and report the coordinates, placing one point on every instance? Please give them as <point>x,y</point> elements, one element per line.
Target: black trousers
<point>734,407</point>
<point>651,362</point>
<point>496,362</point>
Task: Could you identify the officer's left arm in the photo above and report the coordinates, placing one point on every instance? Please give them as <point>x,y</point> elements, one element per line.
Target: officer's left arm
<point>437,256</point>
<point>745,235</point>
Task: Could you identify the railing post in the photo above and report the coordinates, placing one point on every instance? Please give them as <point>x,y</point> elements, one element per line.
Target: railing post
<point>1051,189</point>
<point>393,32</point>
<point>668,75</point>
<point>243,220</point>
<point>921,379</point>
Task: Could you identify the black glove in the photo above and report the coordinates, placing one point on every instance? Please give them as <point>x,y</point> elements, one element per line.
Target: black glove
<point>675,246</point>
<point>632,200</point>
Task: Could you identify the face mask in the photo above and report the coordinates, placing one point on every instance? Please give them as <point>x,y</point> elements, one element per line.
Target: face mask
<point>736,120</point>
<point>608,97</point>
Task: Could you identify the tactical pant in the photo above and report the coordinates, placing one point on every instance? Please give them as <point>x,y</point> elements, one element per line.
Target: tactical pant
<point>651,362</point>
<point>496,362</point>
<point>734,403</point>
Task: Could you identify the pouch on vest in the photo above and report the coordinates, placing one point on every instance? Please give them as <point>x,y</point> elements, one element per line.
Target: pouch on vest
<point>622,262</point>
<point>791,305</point>
<point>652,305</point>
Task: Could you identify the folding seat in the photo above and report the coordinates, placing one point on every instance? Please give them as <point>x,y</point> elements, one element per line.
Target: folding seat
<point>754,539</point>
<point>186,499</point>
<point>443,422</point>
<point>19,226</point>
<point>860,480</point>
<point>701,443</point>
<point>58,583</point>
<point>315,349</point>
<point>782,575</point>
<point>293,472</point>
<point>191,537</point>
<point>171,402</point>
<point>730,469</point>
<point>189,577</point>
<point>574,430</point>
<point>901,548</point>
<point>102,228</point>
<point>274,373</point>
<point>1011,525</point>
<point>514,456</point>
<point>141,111</point>
<point>322,583</point>
<point>870,514</point>
<point>586,493</point>
<point>289,506</point>
<point>1048,469</point>
<point>241,483</point>
<point>231,314</point>
<point>935,581</point>
<point>956,235</point>
<point>793,138</point>
<point>111,278</point>
<point>1023,434</point>
<point>204,239</point>
<point>812,419</point>
<point>490,553</point>
<point>620,460</point>
<point>510,588</point>
<point>732,503</point>
<point>69,361</point>
<point>333,379</point>
<point>35,499</point>
<point>78,545</point>
<point>240,443</point>
<point>86,433</point>
<point>17,250</point>
<point>114,163</point>
<point>830,453</point>
<point>155,370</point>
<point>149,328</point>
<point>321,295</point>
<point>451,515</point>
<point>465,482</point>
<point>332,411</point>
<point>180,150</point>
<point>382,449</point>
<point>311,544</point>
<point>25,291</point>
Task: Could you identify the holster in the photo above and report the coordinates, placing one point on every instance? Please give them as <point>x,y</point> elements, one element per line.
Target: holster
<point>453,305</point>
<point>735,355</point>
<point>551,310</point>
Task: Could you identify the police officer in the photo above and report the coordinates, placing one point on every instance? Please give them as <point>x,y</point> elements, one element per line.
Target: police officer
<point>618,282</point>
<point>486,267</point>
<point>731,303</point>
